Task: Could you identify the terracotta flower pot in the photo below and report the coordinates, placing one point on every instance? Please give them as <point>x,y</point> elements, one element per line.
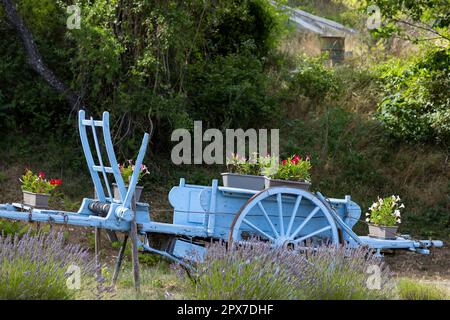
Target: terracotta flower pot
<point>38,200</point>
<point>242,181</point>
<point>383,232</point>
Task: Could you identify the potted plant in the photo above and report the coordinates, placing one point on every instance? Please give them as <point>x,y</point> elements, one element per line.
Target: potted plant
<point>126,170</point>
<point>293,172</point>
<point>36,189</point>
<point>383,216</point>
<point>246,174</point>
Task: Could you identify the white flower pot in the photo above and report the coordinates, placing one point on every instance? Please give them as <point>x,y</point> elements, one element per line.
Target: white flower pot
<point>137,192</point>
<point>38,200</point>
<point>301,184</point>
<point>383,232</point>
<point>242,181</point>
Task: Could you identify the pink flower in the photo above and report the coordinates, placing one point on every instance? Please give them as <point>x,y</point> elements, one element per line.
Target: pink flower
<point>41,175</point>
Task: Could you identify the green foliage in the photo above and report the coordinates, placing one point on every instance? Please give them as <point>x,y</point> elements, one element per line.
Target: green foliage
<point>409,289</point>
<point>140,61</point>
<point>219,89</point>
<point>253,166</point>
<point>416,104</point>
<point>294,168</point>
<point>11,227</point>
<point>126,170</point>
<point>414,20</point>
<point>312,79</point>
<point>385,212</point>
<point>37,183</point>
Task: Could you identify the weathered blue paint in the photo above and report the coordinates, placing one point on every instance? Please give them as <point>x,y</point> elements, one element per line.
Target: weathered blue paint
<point>281,215</point>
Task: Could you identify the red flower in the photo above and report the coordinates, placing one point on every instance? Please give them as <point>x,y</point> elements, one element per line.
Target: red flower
<point>56,182</point>
<point>295,159</point>
<point>41,175</point>
<point>283,162</point>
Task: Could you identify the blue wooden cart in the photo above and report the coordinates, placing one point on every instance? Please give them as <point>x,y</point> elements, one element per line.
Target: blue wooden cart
<point>280,215</point>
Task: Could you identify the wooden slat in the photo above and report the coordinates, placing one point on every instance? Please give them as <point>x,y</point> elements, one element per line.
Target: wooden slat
<point>100,169</point>
<point>97,123</point>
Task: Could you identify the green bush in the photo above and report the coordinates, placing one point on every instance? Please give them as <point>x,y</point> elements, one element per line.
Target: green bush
<point>312,79</point>
<point>409,289</point>
<point>416,102</point>
<point>135,59</point>
<point>231,92</point>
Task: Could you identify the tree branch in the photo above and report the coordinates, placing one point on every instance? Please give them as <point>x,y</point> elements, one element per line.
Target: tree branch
<point>418,26</point>
<point>34,58</point>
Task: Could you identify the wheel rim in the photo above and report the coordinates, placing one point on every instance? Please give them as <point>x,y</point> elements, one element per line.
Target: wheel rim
<point>285,217</point>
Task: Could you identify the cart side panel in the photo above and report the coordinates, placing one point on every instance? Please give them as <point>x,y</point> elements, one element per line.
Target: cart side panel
<point>186,203</point>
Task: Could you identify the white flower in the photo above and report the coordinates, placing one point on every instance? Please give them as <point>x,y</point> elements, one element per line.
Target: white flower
<point>380,201</point>
<point>398,198</point>
<point>402,206</point>
<point>367,220</point>
<point>393,197</point>
<point>397,213</point>
<point>399,221</point>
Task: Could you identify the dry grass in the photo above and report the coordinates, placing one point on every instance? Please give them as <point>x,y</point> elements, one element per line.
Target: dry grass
<point>409,289</point>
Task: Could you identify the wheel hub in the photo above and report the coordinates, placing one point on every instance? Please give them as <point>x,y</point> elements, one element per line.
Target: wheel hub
<point>283,241</point>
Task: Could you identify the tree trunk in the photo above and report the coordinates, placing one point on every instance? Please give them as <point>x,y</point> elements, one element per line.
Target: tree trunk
<point>34,58</point>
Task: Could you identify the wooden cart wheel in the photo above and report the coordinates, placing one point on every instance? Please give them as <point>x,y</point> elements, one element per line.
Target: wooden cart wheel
<point>285,217</point>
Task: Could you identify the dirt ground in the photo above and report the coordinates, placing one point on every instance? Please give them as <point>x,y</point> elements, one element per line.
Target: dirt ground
<point>432,268</point>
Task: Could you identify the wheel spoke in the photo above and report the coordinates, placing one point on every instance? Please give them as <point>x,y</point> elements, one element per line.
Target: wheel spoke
<point>280,214</point>
<point>257,229</point>
<point>268,219</point>
<point>296,241</point>
<point>304,222</point>
<point>294,211</point>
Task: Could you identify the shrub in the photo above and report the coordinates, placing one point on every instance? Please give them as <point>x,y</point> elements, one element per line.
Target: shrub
<point>416,104</point>
<point>409,289</point>
<point>35,267</point>
<point>231,91</point>
<point>312,79</point>
<point>258,271</point>
<point>11,227</point>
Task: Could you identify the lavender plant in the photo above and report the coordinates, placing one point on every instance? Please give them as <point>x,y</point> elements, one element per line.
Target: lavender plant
<point>259,271</point>
<point>245,272</point>
<point>35,267</point>
<point>340,273</point>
